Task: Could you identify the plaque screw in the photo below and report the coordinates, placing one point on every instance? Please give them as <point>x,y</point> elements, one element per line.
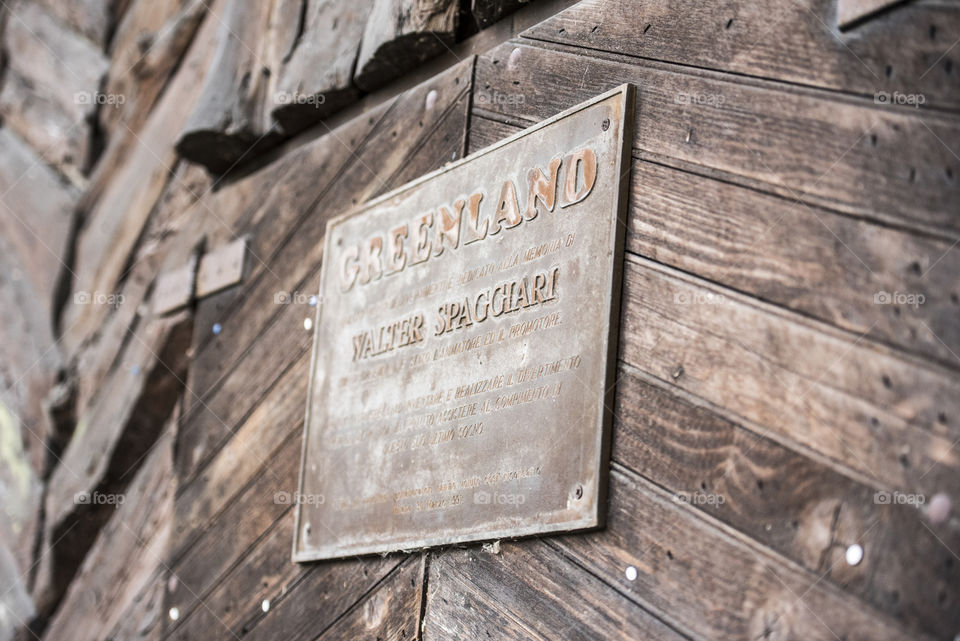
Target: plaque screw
<point>939,508</point>
<point>854,554</point>
<point>174,614</point>
<point>308,324</point>
<point>265,606</point>
<point>513,62</point>
<point>631,573</point>
<point>605,124</point>
<point>678,372</point>
<point>578,492</point>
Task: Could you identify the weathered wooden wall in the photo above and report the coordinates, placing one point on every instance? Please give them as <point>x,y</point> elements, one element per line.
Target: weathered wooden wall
<point>790,324</point>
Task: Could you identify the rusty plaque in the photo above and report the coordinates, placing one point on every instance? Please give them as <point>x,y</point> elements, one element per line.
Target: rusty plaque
<point>465,346</point>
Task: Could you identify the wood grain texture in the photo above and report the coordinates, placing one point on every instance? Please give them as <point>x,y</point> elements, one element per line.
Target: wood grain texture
<point>127,555</point>
<point>401,34</point>
<point>36,217</point>
<point>277,418</point>
<point>851,12</point>
<point>149,44</point>
<point>122,197</point>
<point>863,407</point>
<point>110,443</point>
<point>59,140</point>
<point>226,125</point>
<point>791,503</point>
<point>167,238</point>
<point>907,50</point>
<point>853,156</point>
<point>709,582</point>
<point>62,66</point>
<point>531,591</point>
<point>94,19</point>
<point>315,78</point>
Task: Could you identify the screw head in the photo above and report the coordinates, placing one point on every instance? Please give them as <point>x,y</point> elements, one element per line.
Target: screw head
<point>854,555</point>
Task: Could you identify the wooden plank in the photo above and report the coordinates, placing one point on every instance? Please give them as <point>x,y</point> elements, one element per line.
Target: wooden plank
<point>709,582</point>
<point>367,599</point>
<point>843,271</point>
<point>121,200</point>
<point>170,237</point>
<point>391,611</point>
<point>530,591</point>
<point>851,156</point>
<point>864,408</point>
<point>236,598</point>
<point>109,444</point>
<point>851,12</point>
<point>63,65</point>
<point>44,125</point>
<point>401,34</point>
<point>226,125</point>
<point>309,597</point>
<point>315,78</point>
<point>231,534</point>
<point>36,217</point>
<point>126,556</point>
<point>276,418</point>
<point>143,620</point>
<point>221,267</point>
<point>792,504</point>
<point>214,416</point>
<point>906,51</point>
<point>149,43</point>
<point>92,18</point>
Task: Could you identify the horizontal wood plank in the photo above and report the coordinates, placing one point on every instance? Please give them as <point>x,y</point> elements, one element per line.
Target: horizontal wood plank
<point>893,165</point>
<point>792,504</point>
<point>865,408</point>
<point>530,590</point>
<point>907,50</point>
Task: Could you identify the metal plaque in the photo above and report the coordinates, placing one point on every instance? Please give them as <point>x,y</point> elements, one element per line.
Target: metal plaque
<point>465,347</point>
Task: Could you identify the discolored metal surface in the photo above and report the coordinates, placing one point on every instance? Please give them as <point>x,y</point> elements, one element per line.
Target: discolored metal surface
<point>465,343</point>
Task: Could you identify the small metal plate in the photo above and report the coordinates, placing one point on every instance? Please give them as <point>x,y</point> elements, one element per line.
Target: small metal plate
<point>465,346</point>
<point>221,268</point>
<point>174,289</point>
